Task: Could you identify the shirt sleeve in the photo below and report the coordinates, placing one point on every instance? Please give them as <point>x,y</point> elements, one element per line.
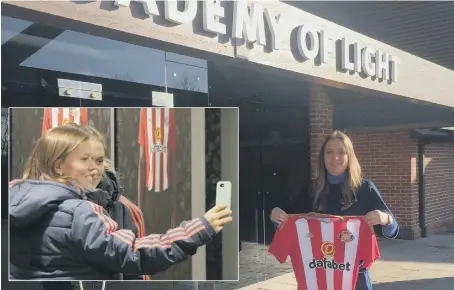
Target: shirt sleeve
<point>391,230</point>
<point>172,133</point>
<point>83,116</point>
<point>100,243</point>
<point>281,244</point>
<point>46,121</point>
<point>142,128</point>
<point>368,250</point>
<point>377,203</point>
<point>133,217</point>
<point>133,220</point>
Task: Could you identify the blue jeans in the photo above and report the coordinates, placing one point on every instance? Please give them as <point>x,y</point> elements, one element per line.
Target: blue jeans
<point>364,282</point>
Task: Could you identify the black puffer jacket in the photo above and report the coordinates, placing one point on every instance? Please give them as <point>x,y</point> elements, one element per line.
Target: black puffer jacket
<point>57,234</point>
<point>126,214</point>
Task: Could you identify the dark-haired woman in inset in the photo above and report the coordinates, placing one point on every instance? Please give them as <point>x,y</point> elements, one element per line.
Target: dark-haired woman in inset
<point>340,189</point>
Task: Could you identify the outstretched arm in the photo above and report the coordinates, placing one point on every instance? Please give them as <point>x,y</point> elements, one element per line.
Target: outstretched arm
<point>100,242</point>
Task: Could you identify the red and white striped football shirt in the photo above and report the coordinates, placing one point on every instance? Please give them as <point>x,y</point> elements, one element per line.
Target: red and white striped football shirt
<point>325,252</point>
<point>157,137</point>
<point>54,117</point>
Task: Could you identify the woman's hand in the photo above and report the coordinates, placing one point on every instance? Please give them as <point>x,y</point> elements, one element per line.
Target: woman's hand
<point>14,182</point>
<point>278,216</point>
<point>218,216</point>
<point>377,217</point>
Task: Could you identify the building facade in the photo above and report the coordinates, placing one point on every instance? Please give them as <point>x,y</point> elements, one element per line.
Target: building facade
<point>294,76</point>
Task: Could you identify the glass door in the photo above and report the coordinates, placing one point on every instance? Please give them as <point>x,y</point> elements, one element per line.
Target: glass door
<point>285,167</point>
<point>249,166</point>
<point>250,188</point>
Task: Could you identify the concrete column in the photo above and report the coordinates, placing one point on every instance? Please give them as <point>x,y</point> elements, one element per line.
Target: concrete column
<point>229,172</point>
<point>198,184</point>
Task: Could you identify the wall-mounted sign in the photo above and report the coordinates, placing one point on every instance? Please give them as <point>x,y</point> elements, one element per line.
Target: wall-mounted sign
<point>160,99</point>
<point>80,90</point>
<point>250,22</point>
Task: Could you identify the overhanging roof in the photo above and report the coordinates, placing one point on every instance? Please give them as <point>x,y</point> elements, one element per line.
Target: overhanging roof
<point>433,135</point>
<point>419,79</point>
<point>422,28</point>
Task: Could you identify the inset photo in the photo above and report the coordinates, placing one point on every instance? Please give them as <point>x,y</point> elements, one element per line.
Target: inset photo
<point>99,194</point>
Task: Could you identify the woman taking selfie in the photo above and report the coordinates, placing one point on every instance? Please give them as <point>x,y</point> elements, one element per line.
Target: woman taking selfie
<point>57,233</point>
<point>109,195</point>
<point>340,189</point>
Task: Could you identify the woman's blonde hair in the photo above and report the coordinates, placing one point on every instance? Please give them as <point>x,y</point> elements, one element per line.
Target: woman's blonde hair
<point>54,146</point>
<point>354,174</point>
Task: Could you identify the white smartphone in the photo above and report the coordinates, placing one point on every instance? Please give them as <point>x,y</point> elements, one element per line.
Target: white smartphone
<point>224,193</point>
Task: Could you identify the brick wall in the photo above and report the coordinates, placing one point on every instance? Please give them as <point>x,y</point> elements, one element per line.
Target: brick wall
<point>320,122</point>
<point>389,160</point>
<point>439,186</point>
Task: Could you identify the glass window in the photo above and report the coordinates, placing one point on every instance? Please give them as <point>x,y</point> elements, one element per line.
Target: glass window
<point>12,27</point>
<point>174,57</point>
<point>84,54</point>
<point>126,71</point>
<point>187,77</point>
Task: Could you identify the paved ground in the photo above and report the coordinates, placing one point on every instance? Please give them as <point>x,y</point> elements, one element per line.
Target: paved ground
<point>406,265</point>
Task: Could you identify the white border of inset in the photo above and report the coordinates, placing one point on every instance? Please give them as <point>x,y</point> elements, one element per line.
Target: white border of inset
<point>196,146</point>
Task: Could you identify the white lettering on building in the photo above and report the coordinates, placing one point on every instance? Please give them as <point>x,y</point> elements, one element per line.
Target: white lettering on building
<point>213,11</point>
<point>346,64</point>
<point>180,17</point>
<point>150,6</point>
<point>369,61</point>
<point>326,46</point>
<point>308,49</point>
<point>368,66</point>
<point>274,22</point>
<point>394,60</point>
<point>248,23</point>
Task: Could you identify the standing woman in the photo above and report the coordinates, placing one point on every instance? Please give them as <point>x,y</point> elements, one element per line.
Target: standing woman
<point>340,189</point>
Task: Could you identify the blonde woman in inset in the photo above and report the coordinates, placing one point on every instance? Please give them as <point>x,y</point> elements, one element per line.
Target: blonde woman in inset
<point>57,233</point>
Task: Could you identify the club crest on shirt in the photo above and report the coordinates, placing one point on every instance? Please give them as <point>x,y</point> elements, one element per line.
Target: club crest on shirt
<point>74,112</point>
<point>328,249</point>
<point>346,236</point>
<point>157,134</point>
<point>65,121</point>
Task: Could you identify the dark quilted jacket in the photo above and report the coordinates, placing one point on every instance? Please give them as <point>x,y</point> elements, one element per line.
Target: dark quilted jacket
<point>126,214</point>
<point>57,234</point>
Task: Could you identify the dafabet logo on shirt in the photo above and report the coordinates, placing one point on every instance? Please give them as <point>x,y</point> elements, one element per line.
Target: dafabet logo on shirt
<point>329,264</point>
<point>328,251</point>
